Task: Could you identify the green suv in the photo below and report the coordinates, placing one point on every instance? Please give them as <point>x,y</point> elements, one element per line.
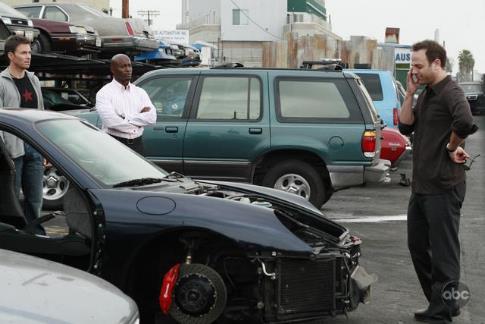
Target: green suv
<point>303,131</point>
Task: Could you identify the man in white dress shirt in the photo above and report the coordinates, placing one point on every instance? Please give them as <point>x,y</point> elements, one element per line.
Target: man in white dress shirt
<point>124,108</point>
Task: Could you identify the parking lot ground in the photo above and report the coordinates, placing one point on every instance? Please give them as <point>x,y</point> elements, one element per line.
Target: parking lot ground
<point>376,213</point>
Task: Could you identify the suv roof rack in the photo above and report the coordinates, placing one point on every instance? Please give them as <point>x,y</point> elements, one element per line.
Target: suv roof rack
<point>326,65</point>
<point>228,66</point>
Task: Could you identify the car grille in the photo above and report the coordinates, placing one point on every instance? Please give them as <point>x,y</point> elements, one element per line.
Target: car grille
<point>306,287</point>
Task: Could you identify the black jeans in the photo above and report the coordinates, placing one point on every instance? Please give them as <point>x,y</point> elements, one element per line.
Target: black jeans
<point>136,144</point>
<point>433,225</point>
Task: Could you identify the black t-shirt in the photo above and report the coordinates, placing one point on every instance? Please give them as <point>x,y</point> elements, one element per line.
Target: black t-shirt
<point>28,98</point>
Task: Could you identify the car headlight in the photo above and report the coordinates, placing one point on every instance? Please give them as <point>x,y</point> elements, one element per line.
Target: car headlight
<point>77,30</point>
<point>30,23</point>
<point>7,21</point>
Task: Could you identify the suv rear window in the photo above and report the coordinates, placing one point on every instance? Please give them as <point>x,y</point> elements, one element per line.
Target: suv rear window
<point>373,84</point>
<point>315,100</point>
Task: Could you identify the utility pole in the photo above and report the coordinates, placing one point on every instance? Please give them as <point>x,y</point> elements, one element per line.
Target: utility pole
<point>150,14</point>
<point>125,8</point>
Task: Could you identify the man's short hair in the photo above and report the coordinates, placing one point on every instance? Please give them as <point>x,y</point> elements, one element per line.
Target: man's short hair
<point>13,42</point>
<point>433,51</point>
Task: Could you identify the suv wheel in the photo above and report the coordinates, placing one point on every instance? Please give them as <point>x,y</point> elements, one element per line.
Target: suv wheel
<point>297,177</point>
<point>54,187</point>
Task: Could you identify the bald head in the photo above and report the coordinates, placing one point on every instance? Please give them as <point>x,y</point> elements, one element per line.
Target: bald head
<point>121,68</point>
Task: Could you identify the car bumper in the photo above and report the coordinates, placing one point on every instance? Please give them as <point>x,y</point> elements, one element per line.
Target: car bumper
<point>130,44</point>
<point>345,176</point>
<point>88,42</point>
<point>378,173</point>
<point>27,32</point>
<point>80,43</point>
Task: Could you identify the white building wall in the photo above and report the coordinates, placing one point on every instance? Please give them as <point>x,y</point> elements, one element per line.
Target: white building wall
<point>266,20</point>
<point>207,12</point>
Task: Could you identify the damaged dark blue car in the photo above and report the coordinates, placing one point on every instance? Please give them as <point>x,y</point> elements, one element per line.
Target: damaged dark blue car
<point>184,250</point>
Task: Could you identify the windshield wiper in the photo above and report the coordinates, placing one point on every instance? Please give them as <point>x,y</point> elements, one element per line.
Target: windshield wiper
<point>138,182</point>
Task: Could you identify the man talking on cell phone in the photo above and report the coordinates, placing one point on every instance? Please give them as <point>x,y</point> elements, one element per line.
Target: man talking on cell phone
<point>441,120</point>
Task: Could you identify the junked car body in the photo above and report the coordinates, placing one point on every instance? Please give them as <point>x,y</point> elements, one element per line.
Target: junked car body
<point>129,36</point>
<point>17,23</point>
<point>193,250</point>
<point>63,37</point>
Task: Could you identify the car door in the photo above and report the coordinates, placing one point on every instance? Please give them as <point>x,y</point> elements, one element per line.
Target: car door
<point>171,95</point>
<point>227,129</point>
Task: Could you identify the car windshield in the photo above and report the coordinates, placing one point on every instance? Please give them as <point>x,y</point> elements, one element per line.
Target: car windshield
<point>469,88</point>
<point>100,155</point>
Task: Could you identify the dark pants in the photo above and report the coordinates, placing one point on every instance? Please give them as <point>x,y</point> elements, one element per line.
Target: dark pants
<point>433,224</point>
<point>136,144</point>
<point>29,173</point>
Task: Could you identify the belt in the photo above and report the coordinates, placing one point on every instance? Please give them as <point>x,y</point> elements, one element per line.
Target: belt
<point>128,140</point>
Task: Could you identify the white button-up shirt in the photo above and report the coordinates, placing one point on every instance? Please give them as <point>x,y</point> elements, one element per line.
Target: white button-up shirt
<point>120,107</point>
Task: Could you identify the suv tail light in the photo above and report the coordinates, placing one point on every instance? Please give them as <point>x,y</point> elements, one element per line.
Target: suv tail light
<point>129,29</point>
<point>395,116</point>
<point>369,139</point>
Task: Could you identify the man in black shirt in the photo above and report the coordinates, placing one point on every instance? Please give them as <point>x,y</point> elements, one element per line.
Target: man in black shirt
<point>21,88</point>
<point>441,121</point>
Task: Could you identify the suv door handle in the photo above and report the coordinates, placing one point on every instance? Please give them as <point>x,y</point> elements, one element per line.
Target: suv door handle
<point>255,130</point>
<point>171,129</point>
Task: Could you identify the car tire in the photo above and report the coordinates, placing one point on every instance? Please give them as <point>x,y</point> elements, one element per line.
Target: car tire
<point>54,188</point>
<point>300,178</point>
<point>42,44</point>
<point>197,279</point>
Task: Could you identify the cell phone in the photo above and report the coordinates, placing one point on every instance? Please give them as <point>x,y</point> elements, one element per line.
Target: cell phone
<point>414,78</point>
<point>469,162</point>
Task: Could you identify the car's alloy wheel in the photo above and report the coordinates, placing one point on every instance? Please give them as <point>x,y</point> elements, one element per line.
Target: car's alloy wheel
<point>200,295</point>
<point>295,184</point>
<point>300,178</point>
<point>54,187</point>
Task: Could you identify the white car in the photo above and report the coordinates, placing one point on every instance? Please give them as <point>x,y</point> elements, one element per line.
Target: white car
<point>37,291</point>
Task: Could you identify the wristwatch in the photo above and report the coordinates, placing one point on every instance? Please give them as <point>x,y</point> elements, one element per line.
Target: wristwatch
<point>448,148</point>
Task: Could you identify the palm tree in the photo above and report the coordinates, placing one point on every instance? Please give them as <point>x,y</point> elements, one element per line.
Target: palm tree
<point>466,62</point>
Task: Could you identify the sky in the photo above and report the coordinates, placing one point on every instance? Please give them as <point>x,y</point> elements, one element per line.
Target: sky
<point>461,24</point>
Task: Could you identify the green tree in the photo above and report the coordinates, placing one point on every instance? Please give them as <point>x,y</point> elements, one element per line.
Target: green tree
<point>466,62</point>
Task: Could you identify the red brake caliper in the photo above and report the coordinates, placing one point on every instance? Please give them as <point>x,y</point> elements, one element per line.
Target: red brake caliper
<point>168,284</point>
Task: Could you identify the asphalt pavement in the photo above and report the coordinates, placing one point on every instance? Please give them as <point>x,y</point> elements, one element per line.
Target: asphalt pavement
<point>377,214</point>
